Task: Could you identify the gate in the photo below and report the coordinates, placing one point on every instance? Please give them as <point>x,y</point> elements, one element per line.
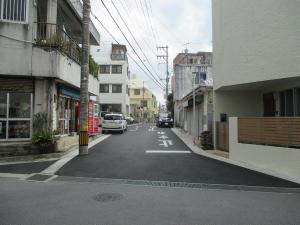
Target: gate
<point>222,138</point>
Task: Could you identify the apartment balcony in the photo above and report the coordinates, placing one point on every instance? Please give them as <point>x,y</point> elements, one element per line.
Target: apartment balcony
<point>57,55</point>
<point>121,57</point>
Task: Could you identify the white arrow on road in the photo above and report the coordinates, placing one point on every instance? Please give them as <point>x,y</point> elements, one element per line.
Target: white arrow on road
<point>160,132</point>
<point>166,143</point>
<point>163,137</point>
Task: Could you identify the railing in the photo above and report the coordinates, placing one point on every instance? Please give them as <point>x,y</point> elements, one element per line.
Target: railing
<point>276,131</point>
<point>118,57</point>
<point>51,36</point>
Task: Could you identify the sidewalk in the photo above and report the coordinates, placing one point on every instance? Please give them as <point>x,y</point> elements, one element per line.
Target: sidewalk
<point>188,140</point>
<point>43,157</point>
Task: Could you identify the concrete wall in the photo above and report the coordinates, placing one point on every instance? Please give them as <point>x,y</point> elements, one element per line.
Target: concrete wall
<point>255,40</point>
<point>15,45</point>
<point>283,161</point>
<point>56,65</point>
<point>237,103</point>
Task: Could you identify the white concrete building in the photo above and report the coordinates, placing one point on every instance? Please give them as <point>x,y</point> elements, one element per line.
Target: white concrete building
<point>192,68</point>
<point>113,78</point>
<point>40,65</point>
<point>257,82</point>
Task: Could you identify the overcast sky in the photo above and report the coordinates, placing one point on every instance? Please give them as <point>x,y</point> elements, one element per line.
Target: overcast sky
<point>179,24</point>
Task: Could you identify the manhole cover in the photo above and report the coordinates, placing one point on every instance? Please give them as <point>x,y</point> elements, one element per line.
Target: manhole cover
<point>107,197</point>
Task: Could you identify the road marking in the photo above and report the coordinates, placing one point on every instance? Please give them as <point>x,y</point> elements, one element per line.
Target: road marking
<point>161,132</point>
<point>151,128</point>
<point>169,151</point>
<point>166,143</point>
<point>163,137</point>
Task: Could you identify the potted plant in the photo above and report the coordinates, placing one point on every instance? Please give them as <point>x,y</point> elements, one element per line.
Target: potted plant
<point>43,137</point>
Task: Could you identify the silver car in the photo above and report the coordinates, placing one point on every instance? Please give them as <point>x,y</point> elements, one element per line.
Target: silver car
<point>113,122</point>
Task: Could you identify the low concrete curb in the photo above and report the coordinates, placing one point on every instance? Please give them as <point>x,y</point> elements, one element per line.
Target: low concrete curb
<point>188,140</point>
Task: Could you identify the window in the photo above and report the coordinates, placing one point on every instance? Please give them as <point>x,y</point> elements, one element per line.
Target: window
<point>15,115</point>
<point>137,91</point>
<point>200,77</point>
<point>104,88</point>
<point>116,69</point>
<point>104,68</point>
<point>144,103</point>
<point>127,90</point>
<point>13,10</point>
<point>117,88</point>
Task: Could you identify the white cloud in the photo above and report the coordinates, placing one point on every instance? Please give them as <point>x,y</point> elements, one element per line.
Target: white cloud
<point>175,22</point>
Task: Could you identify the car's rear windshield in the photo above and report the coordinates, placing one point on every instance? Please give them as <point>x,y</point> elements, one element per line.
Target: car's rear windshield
<point>164,115</point>
<point>103,114</point>
<point>112,117</point>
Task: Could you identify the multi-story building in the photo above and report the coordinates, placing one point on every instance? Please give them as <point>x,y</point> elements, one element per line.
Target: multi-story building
<point>192,75</point>
<point>257,82</point>
<point>40,65</point>
<point>143,103</point>
<point>113,78</point>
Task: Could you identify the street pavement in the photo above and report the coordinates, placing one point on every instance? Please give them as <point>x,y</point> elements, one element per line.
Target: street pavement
<point>135,179</point>
<point>25,168</point>
<point>146,152</point>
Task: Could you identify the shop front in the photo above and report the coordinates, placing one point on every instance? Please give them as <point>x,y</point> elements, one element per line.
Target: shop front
<point>68,105</point>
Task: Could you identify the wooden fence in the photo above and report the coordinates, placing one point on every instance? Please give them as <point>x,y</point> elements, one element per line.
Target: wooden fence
<point>278,131</point>
<point>222,138</point>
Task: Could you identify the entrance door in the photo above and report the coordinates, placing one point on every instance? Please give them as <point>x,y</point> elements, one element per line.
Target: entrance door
<point>269,105</point>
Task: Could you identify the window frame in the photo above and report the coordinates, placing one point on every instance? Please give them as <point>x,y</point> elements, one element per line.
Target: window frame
<point>137,89</point>
<point>116,66</point>
<point>106,66</point>
<point>14,21</point>
<point>105,85</point>
<point>7,119</point>
<point>112,88</point>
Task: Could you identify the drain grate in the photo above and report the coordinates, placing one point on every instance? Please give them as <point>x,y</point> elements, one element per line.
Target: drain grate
<point>179,184</point>
<point>108,197</point>
<point>39,177</point>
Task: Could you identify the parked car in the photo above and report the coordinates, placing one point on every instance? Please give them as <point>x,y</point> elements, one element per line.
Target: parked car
<point>113,122</point>
<point>101,116</point>
<point>164,119</point>
<point>129,120</point>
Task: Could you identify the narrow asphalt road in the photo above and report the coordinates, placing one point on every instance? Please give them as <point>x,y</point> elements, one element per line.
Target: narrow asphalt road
<point>146,152</point>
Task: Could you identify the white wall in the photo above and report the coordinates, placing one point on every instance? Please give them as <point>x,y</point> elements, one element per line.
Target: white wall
<point>54,64</point>
<point>283,161</point>
<point>255,40</point>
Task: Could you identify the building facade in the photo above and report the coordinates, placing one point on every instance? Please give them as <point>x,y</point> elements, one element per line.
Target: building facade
<point>193,75</point>
<point>257,82</point>
<point>113,78</point>
<point>40,65</point>
<point>143,103</point>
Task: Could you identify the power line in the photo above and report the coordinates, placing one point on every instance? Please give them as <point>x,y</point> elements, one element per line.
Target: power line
<point>129,42</point>
<point>135,39</point>
<point>150,22</point>
<point>158,84</point>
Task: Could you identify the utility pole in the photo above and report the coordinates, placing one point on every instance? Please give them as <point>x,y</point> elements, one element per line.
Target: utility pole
<point>143,100</point>
<point>84,82</point>
<point>166,58</point>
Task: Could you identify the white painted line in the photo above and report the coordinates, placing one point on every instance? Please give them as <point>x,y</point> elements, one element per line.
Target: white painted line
<point>51,170</point>
<point>169,151</point>
<point>14,175</point>
<point>163,137</point>
<point>161,132</point>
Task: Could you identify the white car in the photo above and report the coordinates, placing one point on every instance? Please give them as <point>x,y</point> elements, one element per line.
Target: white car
<point>113,122</point>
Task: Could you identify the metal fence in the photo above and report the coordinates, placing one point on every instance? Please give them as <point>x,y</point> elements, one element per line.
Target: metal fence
<point>51,36</point>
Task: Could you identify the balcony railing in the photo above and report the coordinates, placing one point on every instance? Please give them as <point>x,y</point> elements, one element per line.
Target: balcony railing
<point>118,57</point>
<point>51,36</point>
<point>276,131</point>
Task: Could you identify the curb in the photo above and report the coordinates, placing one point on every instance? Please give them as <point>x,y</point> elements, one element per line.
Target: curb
<point>201,152</point>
